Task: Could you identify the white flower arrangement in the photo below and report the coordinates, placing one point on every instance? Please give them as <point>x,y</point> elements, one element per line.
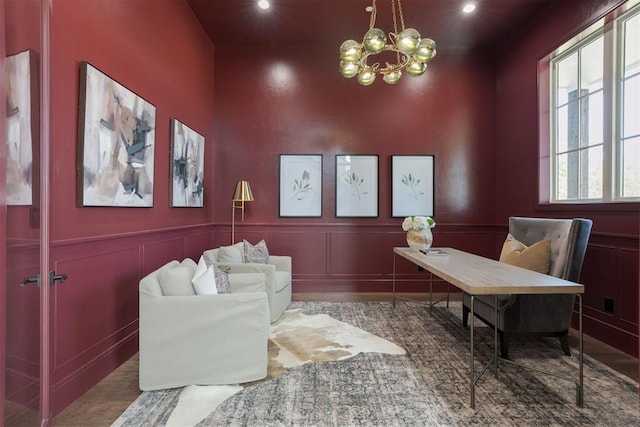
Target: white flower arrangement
<point>417,223</point>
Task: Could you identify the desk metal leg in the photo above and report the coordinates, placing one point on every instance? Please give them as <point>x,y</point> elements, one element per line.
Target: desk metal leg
<point>430,293</point>
<point>495,336</point>
<point>580,391</point>
<point>394,281</point>
<point>448,294</point>
<point>472,382</point>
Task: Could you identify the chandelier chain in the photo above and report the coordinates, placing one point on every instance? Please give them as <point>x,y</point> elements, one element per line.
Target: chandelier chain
<point>372,19</point>
<point>393,14</point>
<point>400,14</point>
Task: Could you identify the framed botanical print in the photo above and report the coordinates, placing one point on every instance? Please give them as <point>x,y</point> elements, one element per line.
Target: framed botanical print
<point>356,185</point>
<point>300,185</point>
<point>412,185</point>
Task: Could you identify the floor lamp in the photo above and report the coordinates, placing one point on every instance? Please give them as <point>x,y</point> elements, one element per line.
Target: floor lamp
<point>242,194</point>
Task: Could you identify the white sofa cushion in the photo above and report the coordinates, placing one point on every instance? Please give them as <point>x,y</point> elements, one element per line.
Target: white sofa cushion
<point>176,281</point>
<point>231,254</point>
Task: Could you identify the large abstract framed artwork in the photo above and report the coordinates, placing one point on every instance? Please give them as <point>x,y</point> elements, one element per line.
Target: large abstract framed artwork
<point>300,185</point>
<point>22,128</point>
<point>116,135</point>
<point>187,166</point>
<point>356,185</point>
<point>412,185</point>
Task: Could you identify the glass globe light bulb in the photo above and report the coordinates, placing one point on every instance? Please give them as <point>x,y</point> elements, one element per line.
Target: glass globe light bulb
<point>416,68</point>
<point>374,40</point>
<point>350,50</point>
<point>392,77</point>
<point>349,69</point>
<point>366,76</point>
<point>426,50</point>
<point>407,41</point>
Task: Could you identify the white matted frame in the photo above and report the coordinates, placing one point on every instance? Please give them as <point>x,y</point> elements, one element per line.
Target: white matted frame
<point>187,166</point>
<point>412,185</point>
<point>300,185</point>
<point>356,185</point>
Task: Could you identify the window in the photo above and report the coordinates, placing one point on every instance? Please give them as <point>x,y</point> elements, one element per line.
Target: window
<point>594,114</point>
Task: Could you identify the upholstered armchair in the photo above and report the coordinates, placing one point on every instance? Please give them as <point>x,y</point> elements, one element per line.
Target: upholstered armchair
<point>277,272</point>
<point>188,339</point>
<point>538,315</point>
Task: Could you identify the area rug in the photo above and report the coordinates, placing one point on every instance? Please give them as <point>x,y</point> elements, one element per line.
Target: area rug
<point>295,339</point>
<point>426,386</point>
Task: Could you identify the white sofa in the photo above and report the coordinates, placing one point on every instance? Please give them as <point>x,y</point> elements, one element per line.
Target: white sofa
<point>202,339</point>
<point>277,273</point>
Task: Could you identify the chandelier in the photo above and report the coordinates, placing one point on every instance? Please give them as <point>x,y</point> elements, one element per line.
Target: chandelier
<point>412,52</point>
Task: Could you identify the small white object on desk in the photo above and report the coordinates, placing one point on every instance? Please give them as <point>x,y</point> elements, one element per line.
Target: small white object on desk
<point>435,252</point>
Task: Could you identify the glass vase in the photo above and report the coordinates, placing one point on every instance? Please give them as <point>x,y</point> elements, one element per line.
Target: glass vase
<point>420,239</point>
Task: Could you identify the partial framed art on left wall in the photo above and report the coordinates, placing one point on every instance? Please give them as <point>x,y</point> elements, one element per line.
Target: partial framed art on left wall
<point>116,138</point>
<point>22,129</point>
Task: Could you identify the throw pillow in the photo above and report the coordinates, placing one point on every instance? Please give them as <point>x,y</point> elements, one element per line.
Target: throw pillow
<point>176,281</point>
<point>256,254</point>
<point>536,257</point>
<point>204,279</point>
<point>222,281</point>
<point>230,254</point>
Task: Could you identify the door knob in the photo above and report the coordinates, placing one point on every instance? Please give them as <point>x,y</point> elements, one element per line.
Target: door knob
<point>53,277</point>
<point>27,280</point>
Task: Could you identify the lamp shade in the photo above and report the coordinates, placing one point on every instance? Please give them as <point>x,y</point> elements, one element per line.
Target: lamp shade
<point>243,192</point>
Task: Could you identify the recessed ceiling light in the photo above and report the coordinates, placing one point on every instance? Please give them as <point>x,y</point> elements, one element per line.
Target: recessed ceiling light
<point>264,4</point>
<point>469,7</point>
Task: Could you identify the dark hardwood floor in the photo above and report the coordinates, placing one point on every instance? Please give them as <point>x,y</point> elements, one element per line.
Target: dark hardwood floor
<point>104,403</point>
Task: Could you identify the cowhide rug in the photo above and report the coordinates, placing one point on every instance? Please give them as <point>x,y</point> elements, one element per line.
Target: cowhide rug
<point>295,339</point>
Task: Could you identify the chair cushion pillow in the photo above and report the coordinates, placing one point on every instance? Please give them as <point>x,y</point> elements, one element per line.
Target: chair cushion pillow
<point>230,254</point>
<point>536,257</point>
<point>222,281</point>
<point>176,281</point>
<point>258,254</point>
<point>204,279</point>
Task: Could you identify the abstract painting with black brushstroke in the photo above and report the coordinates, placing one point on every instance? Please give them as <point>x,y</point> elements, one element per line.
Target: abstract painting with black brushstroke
<point>116,136</point>
<point>187,171</point>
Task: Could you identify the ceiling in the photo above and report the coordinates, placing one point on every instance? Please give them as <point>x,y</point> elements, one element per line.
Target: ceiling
<point>330,22</point>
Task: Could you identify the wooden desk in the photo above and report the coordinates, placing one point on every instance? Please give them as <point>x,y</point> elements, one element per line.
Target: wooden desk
<point>477,275</point>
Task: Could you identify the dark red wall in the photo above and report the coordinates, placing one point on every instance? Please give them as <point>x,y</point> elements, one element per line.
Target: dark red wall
<point>159,51</point>
<point>611,263</point>
<point>272,101</point>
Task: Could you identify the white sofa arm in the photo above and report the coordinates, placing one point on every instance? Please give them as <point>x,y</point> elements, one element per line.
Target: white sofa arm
<point>205,339</point>
<point>282,262</point>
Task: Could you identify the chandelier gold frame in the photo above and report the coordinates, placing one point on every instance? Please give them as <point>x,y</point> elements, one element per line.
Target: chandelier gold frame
<point>412,51</point>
